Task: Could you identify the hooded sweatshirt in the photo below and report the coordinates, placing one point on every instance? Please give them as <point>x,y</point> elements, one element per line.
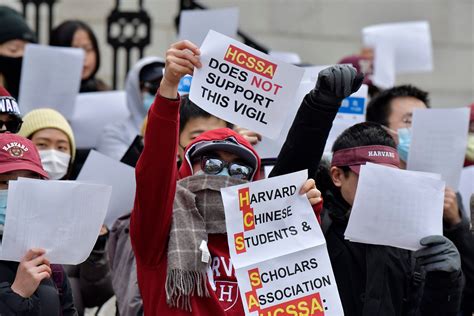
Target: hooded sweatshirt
<point>116,137</point>
<point>156,176</point>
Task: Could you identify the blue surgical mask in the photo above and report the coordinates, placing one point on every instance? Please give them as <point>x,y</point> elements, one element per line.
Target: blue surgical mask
<point>3,205</point>
<point>148,99</point>
<point>404,141</point>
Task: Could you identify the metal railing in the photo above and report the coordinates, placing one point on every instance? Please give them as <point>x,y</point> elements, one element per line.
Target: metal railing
<point>36,4</point>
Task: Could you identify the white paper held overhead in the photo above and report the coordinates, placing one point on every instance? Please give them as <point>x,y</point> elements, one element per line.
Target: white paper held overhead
<point>50,77</point>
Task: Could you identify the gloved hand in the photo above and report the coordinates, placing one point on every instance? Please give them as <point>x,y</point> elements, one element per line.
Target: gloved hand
<point>334,84</point>
<point>440,254</point>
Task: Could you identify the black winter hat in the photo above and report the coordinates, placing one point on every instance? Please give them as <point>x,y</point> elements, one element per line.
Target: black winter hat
<point>13,26</point>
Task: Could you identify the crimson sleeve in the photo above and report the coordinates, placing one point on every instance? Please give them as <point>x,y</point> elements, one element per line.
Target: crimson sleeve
<point>156,175</point>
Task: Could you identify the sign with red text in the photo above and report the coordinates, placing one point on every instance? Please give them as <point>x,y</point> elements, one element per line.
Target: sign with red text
<point>244,86</point>
<point>278,249</point>
<point>300,283</point>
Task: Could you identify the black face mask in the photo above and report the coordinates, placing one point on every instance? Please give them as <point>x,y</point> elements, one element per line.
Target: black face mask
<point>10,69</point>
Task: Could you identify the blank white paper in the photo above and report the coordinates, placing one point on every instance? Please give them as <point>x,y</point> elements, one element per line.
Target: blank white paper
<point>100,169</point>
<point>93,111</point>
<point>50,78</point>
<point>395,207</point>
<point>195,24</point>
<point>439,142</point>
<point>62,217</point>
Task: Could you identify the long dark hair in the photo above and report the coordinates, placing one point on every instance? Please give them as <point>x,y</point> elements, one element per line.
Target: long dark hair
<point>63,34</point>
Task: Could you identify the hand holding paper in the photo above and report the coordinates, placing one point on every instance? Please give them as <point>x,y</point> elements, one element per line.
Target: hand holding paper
<point>33,268</point>
<point>181,58</point>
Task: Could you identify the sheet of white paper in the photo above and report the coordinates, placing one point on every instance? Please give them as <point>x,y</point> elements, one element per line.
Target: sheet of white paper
<point>244,86</point>
<point>395,207</point>
<point>100,169</point>
<point>411,42</point>
<point>93,111</point>
<point>195,24</point>
<point>287,57</point>
<point>62,217</point>
<point>384,66</point>
<point>50,77</point>
<point>439,141</point>
<point>466,188</point>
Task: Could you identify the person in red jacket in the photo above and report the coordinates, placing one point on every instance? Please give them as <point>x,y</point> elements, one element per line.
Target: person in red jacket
<point>212,154</point>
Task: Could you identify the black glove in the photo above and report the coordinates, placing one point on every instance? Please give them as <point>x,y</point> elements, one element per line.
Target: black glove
<point>440,254</point>
<point>334,84</point>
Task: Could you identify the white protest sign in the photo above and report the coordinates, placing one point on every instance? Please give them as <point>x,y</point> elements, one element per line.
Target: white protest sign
<point>244,86</point>
<point>380,217</point>
<point>278,249</point>
<point>94,110</point>
<point>439,142</point>
<point>257,218</point>
<point>301,283</point>
<point>62,217</point>
<point>403,47</point>
<point>50,77</point>
<point>100,169</point>
<point>411,42</point>
<point>195,24</point>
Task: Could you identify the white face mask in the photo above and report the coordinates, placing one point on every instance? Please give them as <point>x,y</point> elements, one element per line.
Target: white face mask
<point>55,163</point>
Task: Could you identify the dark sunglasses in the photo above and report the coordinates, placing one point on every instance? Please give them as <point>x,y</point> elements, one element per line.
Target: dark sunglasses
<point>12,126</point>
<point>212,165</point>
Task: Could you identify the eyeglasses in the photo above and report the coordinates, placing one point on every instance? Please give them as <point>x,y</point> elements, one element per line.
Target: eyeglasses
<point>12,126</point>
<point>211,165</point>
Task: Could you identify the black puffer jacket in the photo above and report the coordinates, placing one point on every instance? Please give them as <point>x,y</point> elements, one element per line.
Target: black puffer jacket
<point>46,301</point>
<point>372,280</point>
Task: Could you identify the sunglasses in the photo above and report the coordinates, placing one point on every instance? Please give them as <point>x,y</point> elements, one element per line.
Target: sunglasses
<point>11,126</point>
<point>212,165</point>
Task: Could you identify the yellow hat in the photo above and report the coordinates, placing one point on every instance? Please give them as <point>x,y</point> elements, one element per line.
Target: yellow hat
<point>47,118</point>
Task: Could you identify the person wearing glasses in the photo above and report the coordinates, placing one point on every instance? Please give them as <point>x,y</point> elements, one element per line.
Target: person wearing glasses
<point>10,117</point>
<point>170,221</point>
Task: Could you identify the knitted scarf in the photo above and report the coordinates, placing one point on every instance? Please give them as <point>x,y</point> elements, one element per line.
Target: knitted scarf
<point>197,212</point>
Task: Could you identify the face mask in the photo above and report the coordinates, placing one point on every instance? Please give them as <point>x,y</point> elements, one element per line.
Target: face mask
<point>148,99</point>
<point>404,141</point>
<point>55,163</point>
<point>10,68</point>
<point>3,205</point>
<point>470,147</point>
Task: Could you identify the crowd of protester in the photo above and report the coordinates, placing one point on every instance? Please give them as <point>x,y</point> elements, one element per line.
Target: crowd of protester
<point>142,261</point>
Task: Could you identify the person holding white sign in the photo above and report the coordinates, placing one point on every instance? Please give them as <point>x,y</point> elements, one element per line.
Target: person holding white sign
<point>30,287</point>
<point>54,139</point>
<point>393,109</point>
<point>372,280</point>
<point>180,240</point>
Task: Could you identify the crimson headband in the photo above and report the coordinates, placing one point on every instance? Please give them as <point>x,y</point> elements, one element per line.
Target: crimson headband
<point>356,156</point>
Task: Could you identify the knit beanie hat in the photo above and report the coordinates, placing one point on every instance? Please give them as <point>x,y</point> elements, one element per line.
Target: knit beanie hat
<point>47,118</point>
<point>13,26</point>
<point>8,103</point>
